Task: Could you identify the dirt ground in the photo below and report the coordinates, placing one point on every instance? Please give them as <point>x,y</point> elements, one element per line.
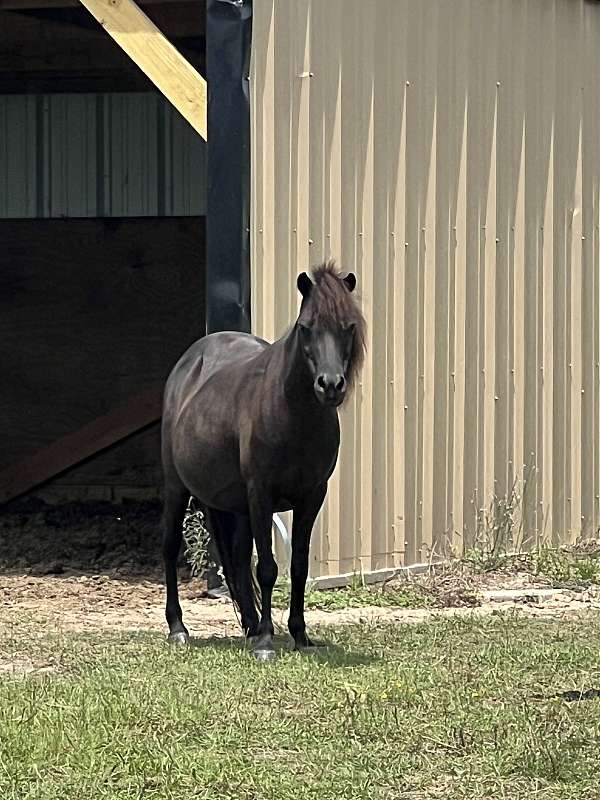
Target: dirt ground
<point>98,602</point>
<point>98,567</point>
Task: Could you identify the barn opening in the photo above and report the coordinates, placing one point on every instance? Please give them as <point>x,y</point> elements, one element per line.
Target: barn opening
<point>102,230</point>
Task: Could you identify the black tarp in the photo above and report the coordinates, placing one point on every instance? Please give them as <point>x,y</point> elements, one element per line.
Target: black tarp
<point>228,43</point>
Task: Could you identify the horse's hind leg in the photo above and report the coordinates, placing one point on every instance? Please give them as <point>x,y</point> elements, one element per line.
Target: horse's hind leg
<point>176,500</point>
<point>232,536</point>
<point>243,560</point>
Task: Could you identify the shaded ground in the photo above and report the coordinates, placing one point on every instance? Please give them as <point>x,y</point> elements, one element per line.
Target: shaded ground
<point>40,538</point>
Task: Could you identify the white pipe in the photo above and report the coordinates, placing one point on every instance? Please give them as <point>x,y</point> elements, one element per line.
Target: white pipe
<point>283,533</point>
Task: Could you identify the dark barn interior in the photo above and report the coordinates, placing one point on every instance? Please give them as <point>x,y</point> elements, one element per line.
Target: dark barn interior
<point>102,265</point>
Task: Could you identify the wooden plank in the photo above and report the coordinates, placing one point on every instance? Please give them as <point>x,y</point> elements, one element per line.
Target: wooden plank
<point>141,410</point>
<point>144,43</point>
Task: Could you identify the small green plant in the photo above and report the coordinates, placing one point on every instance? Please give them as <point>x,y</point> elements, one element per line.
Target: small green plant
<point>195,537</point>
<point>359,595</point>
<point>562,566</point>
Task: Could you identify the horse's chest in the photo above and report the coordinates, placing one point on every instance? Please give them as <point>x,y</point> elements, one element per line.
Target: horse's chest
<point>301,471</point>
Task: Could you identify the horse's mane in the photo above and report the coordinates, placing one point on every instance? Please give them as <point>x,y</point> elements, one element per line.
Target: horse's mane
<point>333,305</point>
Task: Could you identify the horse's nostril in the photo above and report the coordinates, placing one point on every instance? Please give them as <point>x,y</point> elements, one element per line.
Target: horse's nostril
<point>340,384</point>
<point>321,382</point>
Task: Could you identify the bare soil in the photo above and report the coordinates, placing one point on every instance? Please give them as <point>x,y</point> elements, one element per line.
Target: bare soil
<point>98,567</point>
<point>99,602</point>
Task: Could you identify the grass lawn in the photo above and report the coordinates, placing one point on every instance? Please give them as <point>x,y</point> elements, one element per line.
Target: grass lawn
<point>453,708</point>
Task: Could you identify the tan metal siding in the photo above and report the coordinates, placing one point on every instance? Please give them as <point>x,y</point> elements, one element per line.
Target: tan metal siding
<point>448,152</point>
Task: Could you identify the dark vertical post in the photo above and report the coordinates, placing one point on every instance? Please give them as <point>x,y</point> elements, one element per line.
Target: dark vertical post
<point>228,43</point>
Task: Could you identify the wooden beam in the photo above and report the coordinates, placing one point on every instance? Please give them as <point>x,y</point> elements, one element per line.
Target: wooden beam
<point>164,65</point>
<point>139,412</point>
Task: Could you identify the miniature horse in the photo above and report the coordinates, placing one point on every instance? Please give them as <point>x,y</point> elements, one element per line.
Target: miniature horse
<point>251,428</point>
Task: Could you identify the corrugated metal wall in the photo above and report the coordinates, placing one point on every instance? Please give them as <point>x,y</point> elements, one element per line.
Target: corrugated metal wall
<point>447,151</point>
<point>98,155</point>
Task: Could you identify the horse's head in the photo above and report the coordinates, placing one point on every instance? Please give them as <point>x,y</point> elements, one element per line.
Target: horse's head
<point>331,332</point>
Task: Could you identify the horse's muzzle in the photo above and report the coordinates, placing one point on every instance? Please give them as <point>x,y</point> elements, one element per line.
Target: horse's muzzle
<point>330,389</point>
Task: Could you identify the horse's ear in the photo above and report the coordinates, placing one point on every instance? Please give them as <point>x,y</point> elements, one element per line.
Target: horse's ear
<point>304,284</point>
<point>350,281</point>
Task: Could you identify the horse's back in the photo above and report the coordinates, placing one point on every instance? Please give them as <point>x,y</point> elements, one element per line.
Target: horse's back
<point>204,395</point>
<point>206,357</point>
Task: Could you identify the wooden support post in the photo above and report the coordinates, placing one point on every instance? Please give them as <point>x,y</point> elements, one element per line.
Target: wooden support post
<point>144,43</point>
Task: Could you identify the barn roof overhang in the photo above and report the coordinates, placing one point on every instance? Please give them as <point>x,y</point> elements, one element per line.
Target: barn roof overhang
<point>142,39</point>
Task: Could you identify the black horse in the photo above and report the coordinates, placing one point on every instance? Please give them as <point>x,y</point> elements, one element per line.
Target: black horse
<point>251,428</point>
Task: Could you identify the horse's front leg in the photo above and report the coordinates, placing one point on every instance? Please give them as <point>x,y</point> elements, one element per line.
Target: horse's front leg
<point>304,519</point>
<point>261,520</point>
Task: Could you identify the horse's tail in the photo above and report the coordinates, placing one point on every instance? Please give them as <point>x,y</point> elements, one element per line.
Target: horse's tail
<point>232,536</point>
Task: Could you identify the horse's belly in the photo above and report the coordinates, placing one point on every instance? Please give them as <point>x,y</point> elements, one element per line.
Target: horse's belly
<point>213,476</point>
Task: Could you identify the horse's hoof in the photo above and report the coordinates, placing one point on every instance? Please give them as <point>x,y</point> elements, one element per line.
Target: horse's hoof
<point>264,655</point>
<point>181,638</point>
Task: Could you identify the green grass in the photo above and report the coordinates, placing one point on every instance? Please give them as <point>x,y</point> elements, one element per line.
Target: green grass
<point>454,708</point>
<point>357,595</point>
<point>561,566</point>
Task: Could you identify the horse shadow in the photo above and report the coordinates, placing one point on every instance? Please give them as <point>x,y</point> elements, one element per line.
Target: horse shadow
<point>325,653</point>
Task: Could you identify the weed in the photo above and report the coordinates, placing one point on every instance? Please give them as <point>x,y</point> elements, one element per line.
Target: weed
<point>196,540</point>
<point>499,528</point>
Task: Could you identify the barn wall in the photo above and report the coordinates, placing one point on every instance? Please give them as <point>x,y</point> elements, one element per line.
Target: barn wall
<point>98,154</point>
<point>449,154</point>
